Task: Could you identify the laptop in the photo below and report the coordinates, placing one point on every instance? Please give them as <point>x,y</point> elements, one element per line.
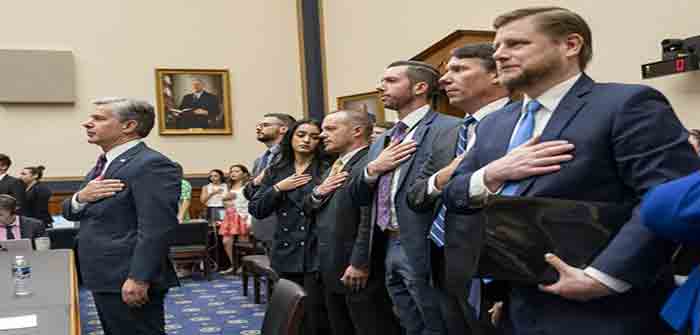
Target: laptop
<point>20,245</point>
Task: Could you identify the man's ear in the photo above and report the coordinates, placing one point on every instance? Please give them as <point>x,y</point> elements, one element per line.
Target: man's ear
<point>129,126</point>
<point>420,88</point>
<point>284,129</point>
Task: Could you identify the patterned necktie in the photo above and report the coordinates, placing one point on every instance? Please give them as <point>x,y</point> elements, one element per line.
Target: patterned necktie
<point>265,160</point>
<point>384,202</point>
<point>99,166</point>
<point>9,234</point>
<point>524,133</point>
<point>337,167</point>
<point>437,229</point>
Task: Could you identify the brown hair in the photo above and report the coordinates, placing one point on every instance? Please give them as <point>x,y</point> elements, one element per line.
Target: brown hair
<point>37,171</point>
<point>556,22</point>
<point>417,72</point>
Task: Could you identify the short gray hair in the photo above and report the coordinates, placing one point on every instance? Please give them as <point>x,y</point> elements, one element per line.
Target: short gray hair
<point>357,118</point>
<point>130,109</point>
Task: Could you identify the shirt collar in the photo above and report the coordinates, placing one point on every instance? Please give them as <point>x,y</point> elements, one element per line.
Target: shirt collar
<point>490,108</point>
<point>14,223</point>
<point>120,149</point>
<point>551,98</point>
<point>274,149</point>
<point>2,176</point>
<point>348,156</point>
<point>412,119</point>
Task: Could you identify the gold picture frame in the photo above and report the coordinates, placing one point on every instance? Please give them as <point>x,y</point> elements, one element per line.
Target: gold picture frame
<point>370,102</point>
<point>193,101</point>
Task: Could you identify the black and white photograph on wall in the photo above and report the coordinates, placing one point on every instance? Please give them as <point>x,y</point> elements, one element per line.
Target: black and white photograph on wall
<point>193,102</point>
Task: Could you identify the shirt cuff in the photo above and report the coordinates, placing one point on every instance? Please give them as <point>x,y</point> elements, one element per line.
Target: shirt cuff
<point>370,179</point>
<point>478,192</point>
<point>433,190</point>
<point>75,205</point>
<point>617,285</point>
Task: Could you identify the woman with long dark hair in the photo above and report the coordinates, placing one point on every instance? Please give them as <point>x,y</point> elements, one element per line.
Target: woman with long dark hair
<point>37,195</point>
<point>212,195</point>
<point>236,219</point>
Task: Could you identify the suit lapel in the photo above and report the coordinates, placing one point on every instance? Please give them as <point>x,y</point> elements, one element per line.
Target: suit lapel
<point>509,122</point>
<point>421,131</point>
<point>568,108</point>
<point>123,160</point>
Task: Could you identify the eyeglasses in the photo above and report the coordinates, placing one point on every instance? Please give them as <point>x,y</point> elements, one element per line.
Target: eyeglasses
<point>266,124</point>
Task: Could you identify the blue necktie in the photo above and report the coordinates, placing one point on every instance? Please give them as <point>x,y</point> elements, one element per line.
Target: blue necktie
<point>437,229</point>
<point>524,133</point>
<point>265,160</point>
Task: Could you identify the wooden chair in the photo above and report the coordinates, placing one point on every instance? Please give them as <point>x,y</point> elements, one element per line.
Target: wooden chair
<point>258,267</point>
<point>285,310</point>
<point>245,248</point>
<point>191,243</point>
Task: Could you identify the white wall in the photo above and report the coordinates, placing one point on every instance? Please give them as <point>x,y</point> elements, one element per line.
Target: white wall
<point>118,45</point>
<point>363,36</point>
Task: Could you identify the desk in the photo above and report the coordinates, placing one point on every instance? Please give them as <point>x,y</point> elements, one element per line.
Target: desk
<point>55,293</point>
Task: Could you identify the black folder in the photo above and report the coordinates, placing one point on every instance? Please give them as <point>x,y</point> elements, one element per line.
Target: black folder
<point>519,231</point>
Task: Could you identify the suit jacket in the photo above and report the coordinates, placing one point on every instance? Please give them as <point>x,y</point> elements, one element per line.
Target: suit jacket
<point>128,235</point>
<point>31,228</point>
<point>414,226</point>
<point>37,203</point>
<point>342,230</point>
<point>627,140</point>
<point>15,187</point>
<point>206,101</point>
<point>291,252</point>
<point>263,229</point>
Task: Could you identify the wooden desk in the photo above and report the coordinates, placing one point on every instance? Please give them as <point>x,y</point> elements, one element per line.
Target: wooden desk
<point>55,293</point>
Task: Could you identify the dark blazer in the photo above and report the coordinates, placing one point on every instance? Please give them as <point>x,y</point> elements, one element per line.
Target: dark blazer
<point>414,226</point>
<point>128,235</point>
<point>206,101</point>
<point>290,250</point>
<point>342,229</point>
<point>31,228</point>
<point>627,140</point>
<point>37,203</point>
<point>15,187</point>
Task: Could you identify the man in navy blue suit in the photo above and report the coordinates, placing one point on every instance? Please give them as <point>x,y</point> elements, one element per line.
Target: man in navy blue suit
<point>127,210</point>
<point>573,138</point>
<point>395,160</point>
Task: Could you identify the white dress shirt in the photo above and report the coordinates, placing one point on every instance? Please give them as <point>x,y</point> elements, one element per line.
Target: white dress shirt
<point>110,155</point>
<point>493,106</point>
<point>344,159</point>
<point>550,99</point>
<point>2,176</point>
<point>411,120</point>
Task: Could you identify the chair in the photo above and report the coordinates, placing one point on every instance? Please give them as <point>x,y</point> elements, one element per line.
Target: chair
<point>258,266</point>
<point>191,243</point>
<point>285,310</point>
<point>245,248</point>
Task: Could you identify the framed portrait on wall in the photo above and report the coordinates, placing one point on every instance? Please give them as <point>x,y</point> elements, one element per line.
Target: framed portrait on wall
<point>193,102</point>
<point>370,102</point>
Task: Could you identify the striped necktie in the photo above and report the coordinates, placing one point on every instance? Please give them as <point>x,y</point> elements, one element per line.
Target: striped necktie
<point>384,201</point>
<point>522,135</point>
<point>437,229</point>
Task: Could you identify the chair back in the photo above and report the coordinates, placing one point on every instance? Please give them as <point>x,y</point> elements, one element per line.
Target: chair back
<point>193,232</point>
<point>285,309</point>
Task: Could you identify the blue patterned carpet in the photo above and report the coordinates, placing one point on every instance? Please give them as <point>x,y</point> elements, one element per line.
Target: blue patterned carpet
<point>197,307</point>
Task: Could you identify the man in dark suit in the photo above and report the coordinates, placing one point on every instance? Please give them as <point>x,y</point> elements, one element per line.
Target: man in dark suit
<point>395,161</point>
<point>127,210</point>
<point>471,83</point>
<point>9,184</point>
<point>13,226</point>
<point>352,282</point>
<point>572,138</point>
<point>199,109</point>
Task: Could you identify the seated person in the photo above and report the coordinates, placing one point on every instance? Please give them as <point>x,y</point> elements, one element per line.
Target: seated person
<point>13,226</point>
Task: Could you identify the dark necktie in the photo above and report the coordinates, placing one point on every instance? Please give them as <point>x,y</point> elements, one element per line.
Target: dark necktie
<point>522,135</point>
<point>99,166</point>
<point>437,229</point>
<point>9,234</point>
<point>384,202</point>
<point>265,160</point>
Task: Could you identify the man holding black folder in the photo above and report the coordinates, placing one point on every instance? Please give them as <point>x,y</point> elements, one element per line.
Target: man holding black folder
<point>572,138</point>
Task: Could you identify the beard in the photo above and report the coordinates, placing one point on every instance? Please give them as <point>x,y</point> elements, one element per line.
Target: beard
<point>530,76</point>
<point>264,138</point>
<point>396,103</point>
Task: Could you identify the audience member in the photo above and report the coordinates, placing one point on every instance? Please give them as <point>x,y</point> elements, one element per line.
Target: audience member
<point>9,184</point>
<point>37,195</point>
<point>128,211</point>
<point>694,139</point>
<point>351,281</point>
<point>472,85</point>
<point>14,226</point>
<point>236,221</point>
<point>407,87</point>
<point>282,191</point>
<point>183,207</point>
<point>379,128</point>
<point>572,138</point>
<point>672,211</point>
<point>213,194</point>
